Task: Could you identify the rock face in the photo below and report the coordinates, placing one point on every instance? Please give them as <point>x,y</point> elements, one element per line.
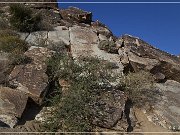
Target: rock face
<point>45,38</point>
<point>60,33</point>
<point>84,42</point>
<point>144,56</point>
<point>31,78</point>
<point>82,36</point>
<point>12,105</point>
<point>74,14</point>
<point>166,110</point>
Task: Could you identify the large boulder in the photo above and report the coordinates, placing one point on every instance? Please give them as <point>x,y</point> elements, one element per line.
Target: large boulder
<point>142,55</point>
<point>139,63</point>
<point>31,77</point>
<point>12,105</point>
<point>38,38</point>
<point>45,38</point>
<point>109,108</point>
<point>74,14</point>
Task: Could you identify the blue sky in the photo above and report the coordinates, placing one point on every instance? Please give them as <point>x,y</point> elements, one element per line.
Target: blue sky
<point>158,24</point>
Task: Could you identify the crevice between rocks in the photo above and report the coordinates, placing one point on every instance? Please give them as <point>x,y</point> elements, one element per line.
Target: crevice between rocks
<point>127,111</point>
<point>30,112</point>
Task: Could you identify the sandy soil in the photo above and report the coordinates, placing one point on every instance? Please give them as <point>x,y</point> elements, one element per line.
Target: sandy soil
<point>148,126</point>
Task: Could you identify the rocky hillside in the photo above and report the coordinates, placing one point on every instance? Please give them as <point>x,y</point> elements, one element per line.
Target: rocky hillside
<point>62,71</point>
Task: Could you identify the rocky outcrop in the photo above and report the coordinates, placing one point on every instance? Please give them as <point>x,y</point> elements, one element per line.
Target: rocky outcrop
<point>84,42</point>
<point>74,14</point>
<point>144,56</point>
<point>12,105</point>
<point>74,30</point>
<point>31,78</point>
<point>102,30</point>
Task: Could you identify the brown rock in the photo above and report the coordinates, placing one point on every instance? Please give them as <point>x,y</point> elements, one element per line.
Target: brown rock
<point>142,55</point>
<point>101,29</point>
<point>139,63</point>
<point>109,109</point>
<point>76,14</point>
<point>12,105</point>
<point>32,78</point>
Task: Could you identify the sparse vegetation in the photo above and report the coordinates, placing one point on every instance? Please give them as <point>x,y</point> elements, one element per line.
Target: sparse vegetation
<point>17,59</point>
<point>108,46</point>
<point>84,78</point>
<point>73,111</point>
<point>58,46</point>
<point>7,32</point>
<point>136,85</point>
<point>12,44</point>
<point>23,18</point>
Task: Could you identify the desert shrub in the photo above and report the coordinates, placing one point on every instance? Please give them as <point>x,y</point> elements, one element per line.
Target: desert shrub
<point>7,32</point>
<point>12,44</point>
<point>136,85</point>
<point>84,76</point>
<point>108,46</point>
<point>23,18</point>
<point>17,59</point>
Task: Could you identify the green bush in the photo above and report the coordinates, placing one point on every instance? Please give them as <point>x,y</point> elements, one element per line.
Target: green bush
<point>137,85</point>
<point>23,18</point>
<point>108,46</point>
<point>84,76</point>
